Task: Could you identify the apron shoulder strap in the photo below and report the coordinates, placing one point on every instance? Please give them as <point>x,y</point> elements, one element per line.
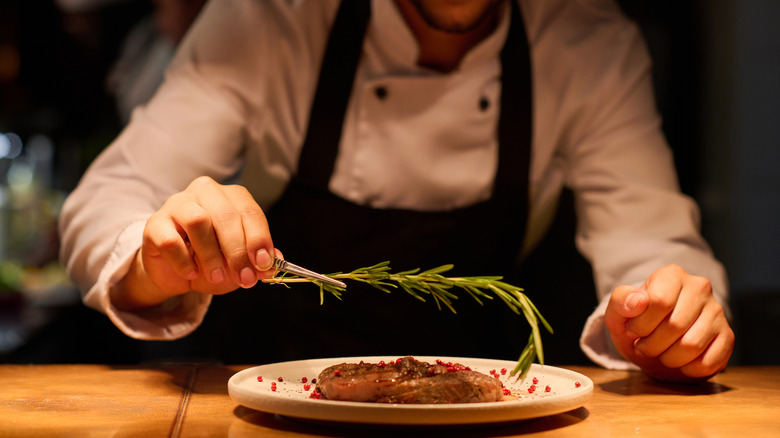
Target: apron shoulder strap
<point>334,88</point>
<point>515,121</point>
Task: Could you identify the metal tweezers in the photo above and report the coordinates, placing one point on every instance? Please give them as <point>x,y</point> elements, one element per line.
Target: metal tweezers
<point>286,266</point>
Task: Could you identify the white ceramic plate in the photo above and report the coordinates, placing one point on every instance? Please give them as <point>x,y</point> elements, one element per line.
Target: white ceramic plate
<point>290,397</point>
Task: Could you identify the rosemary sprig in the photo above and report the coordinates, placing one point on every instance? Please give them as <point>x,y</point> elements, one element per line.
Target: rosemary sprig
<point>432,283</point>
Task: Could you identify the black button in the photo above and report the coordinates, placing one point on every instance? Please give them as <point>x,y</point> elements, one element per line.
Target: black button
<point>484,103</point>
<point>381,92</point>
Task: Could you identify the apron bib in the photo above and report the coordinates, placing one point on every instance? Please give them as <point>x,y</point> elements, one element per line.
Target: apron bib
<point>326,233</point>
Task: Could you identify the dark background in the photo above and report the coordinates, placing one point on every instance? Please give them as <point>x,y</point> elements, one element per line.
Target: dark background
<point>717,65</point>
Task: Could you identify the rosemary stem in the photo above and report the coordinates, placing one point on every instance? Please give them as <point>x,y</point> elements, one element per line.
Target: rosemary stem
<point>434,285</point>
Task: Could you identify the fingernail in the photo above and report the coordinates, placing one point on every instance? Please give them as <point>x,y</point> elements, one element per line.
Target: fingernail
<point>633,300</point>
<point>247,277</point>
<point>217,275</point>
<point>263,260</point>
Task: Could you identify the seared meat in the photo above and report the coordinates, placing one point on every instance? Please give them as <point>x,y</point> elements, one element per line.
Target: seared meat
<point>407,380</point>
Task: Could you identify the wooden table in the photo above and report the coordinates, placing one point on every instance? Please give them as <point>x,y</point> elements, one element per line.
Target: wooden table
<point>192,400</point>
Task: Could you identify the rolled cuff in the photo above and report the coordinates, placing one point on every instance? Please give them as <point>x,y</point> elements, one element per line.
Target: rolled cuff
<point>597,344</point>
<point>173,319</point>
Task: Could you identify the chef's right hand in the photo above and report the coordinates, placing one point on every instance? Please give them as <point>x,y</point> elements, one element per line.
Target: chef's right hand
<point>210,238</point>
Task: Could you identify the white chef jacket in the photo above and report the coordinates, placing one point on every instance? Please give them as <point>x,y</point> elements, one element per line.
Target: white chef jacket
<point>236,101</point>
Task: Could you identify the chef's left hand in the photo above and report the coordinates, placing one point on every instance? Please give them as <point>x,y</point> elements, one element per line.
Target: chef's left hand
<point>671,326</point>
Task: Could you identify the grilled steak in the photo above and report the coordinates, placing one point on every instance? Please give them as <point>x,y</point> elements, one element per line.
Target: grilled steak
<point>407,380</point>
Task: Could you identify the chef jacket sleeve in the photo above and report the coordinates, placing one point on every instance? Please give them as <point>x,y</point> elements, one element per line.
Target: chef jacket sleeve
<point>165,146</point>
<point>632,217</point>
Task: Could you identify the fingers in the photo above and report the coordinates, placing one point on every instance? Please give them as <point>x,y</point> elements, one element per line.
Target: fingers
<point>219,234</point>
<point>663,288</point>
<point>704,348</point>
<point>715,357</point>
<point>213,233</point>
<point>197,226</point>
<point>685,311</point>
<point>258,244</point>
<point>680,334</point>
<point>625,303</point>
<point>164,240</point>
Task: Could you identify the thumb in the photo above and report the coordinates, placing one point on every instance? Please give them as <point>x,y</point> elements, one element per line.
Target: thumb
<point>625,303</point>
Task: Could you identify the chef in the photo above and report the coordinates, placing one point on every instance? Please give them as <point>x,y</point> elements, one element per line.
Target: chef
<point>422,132</point>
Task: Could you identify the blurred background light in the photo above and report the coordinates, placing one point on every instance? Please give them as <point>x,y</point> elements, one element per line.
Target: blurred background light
<point>10,145</point>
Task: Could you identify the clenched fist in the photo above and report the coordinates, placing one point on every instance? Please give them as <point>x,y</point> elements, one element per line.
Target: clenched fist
<point>671,326</point>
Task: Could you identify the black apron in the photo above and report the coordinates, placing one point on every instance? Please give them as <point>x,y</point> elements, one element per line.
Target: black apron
<point>326,233</point>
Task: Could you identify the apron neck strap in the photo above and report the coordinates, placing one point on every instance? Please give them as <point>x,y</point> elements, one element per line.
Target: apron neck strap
<point>516,117</point>
<point>334,87</point>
